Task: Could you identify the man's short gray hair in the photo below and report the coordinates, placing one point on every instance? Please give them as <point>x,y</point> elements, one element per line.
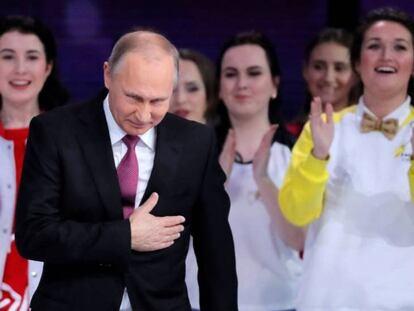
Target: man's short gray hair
<point>145,41</point>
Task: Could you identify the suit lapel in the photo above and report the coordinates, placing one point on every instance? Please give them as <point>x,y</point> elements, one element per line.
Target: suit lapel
<point>167,155</point>
<point>95,143</point>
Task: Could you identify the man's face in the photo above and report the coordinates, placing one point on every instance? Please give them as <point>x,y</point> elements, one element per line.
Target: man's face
<point>140,88</point>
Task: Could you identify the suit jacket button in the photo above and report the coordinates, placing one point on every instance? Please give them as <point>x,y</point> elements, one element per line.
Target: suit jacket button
<point>34,274</point>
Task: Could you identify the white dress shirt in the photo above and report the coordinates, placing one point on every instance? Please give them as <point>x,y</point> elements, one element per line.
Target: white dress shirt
<point>145,152</point>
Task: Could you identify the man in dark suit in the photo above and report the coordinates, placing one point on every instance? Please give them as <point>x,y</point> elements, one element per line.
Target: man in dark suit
<point>106,247</point>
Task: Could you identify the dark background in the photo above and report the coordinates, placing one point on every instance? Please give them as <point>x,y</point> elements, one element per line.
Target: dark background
<point>86,29</point>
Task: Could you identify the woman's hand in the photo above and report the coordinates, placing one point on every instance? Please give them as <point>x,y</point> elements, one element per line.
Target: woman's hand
<point>261,157</point>
<point>228,153</point>
<point>322,130</point>
<point>293,236</point>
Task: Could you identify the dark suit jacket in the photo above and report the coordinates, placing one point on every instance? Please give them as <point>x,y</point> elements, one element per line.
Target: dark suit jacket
<point>69,215</point>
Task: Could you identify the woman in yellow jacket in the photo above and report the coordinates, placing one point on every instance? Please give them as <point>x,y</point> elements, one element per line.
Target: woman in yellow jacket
<point>349,181</point>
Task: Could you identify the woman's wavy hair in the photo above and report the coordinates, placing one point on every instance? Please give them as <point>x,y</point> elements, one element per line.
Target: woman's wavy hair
<point>382,14</point>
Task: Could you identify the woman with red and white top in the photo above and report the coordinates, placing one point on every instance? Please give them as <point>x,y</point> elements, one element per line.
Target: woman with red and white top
<point>28,86</point>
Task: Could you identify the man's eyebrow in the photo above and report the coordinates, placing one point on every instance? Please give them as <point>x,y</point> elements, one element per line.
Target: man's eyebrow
<point>141,98</point>
<point>133,95</point>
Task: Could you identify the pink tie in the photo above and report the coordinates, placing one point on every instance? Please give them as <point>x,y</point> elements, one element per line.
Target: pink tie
<point>128,175</point>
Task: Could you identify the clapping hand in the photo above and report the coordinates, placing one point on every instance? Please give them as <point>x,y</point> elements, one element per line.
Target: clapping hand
<point>261,157</point>
<point>322,130</point>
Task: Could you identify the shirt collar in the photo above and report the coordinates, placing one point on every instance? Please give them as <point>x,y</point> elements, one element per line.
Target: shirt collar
<point>400,113</point>
<point>116,133</point>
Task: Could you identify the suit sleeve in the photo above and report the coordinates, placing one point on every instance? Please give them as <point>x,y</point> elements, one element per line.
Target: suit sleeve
<point>42,232</point>
<point>302,193</point>
<point>213,241</point>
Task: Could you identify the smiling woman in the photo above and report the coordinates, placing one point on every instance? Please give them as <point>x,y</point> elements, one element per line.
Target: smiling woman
<point>351,181</point>
<point>327,69</point>
<point>328,73</point>
<point>389,42</point>
<point>254,157</point>
<point>386,65</point>
<point>28,86</point>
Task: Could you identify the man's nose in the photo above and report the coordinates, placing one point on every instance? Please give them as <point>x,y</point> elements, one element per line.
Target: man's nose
<point>143,113</point>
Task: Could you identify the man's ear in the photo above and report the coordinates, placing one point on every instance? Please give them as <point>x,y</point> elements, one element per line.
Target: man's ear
<point>107,74</point>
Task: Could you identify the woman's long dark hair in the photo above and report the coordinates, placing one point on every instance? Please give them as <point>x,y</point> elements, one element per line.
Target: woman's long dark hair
<point>329,35</point>
<point>259,39</point>
<point>207,71</point>
<point>53,94</point>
